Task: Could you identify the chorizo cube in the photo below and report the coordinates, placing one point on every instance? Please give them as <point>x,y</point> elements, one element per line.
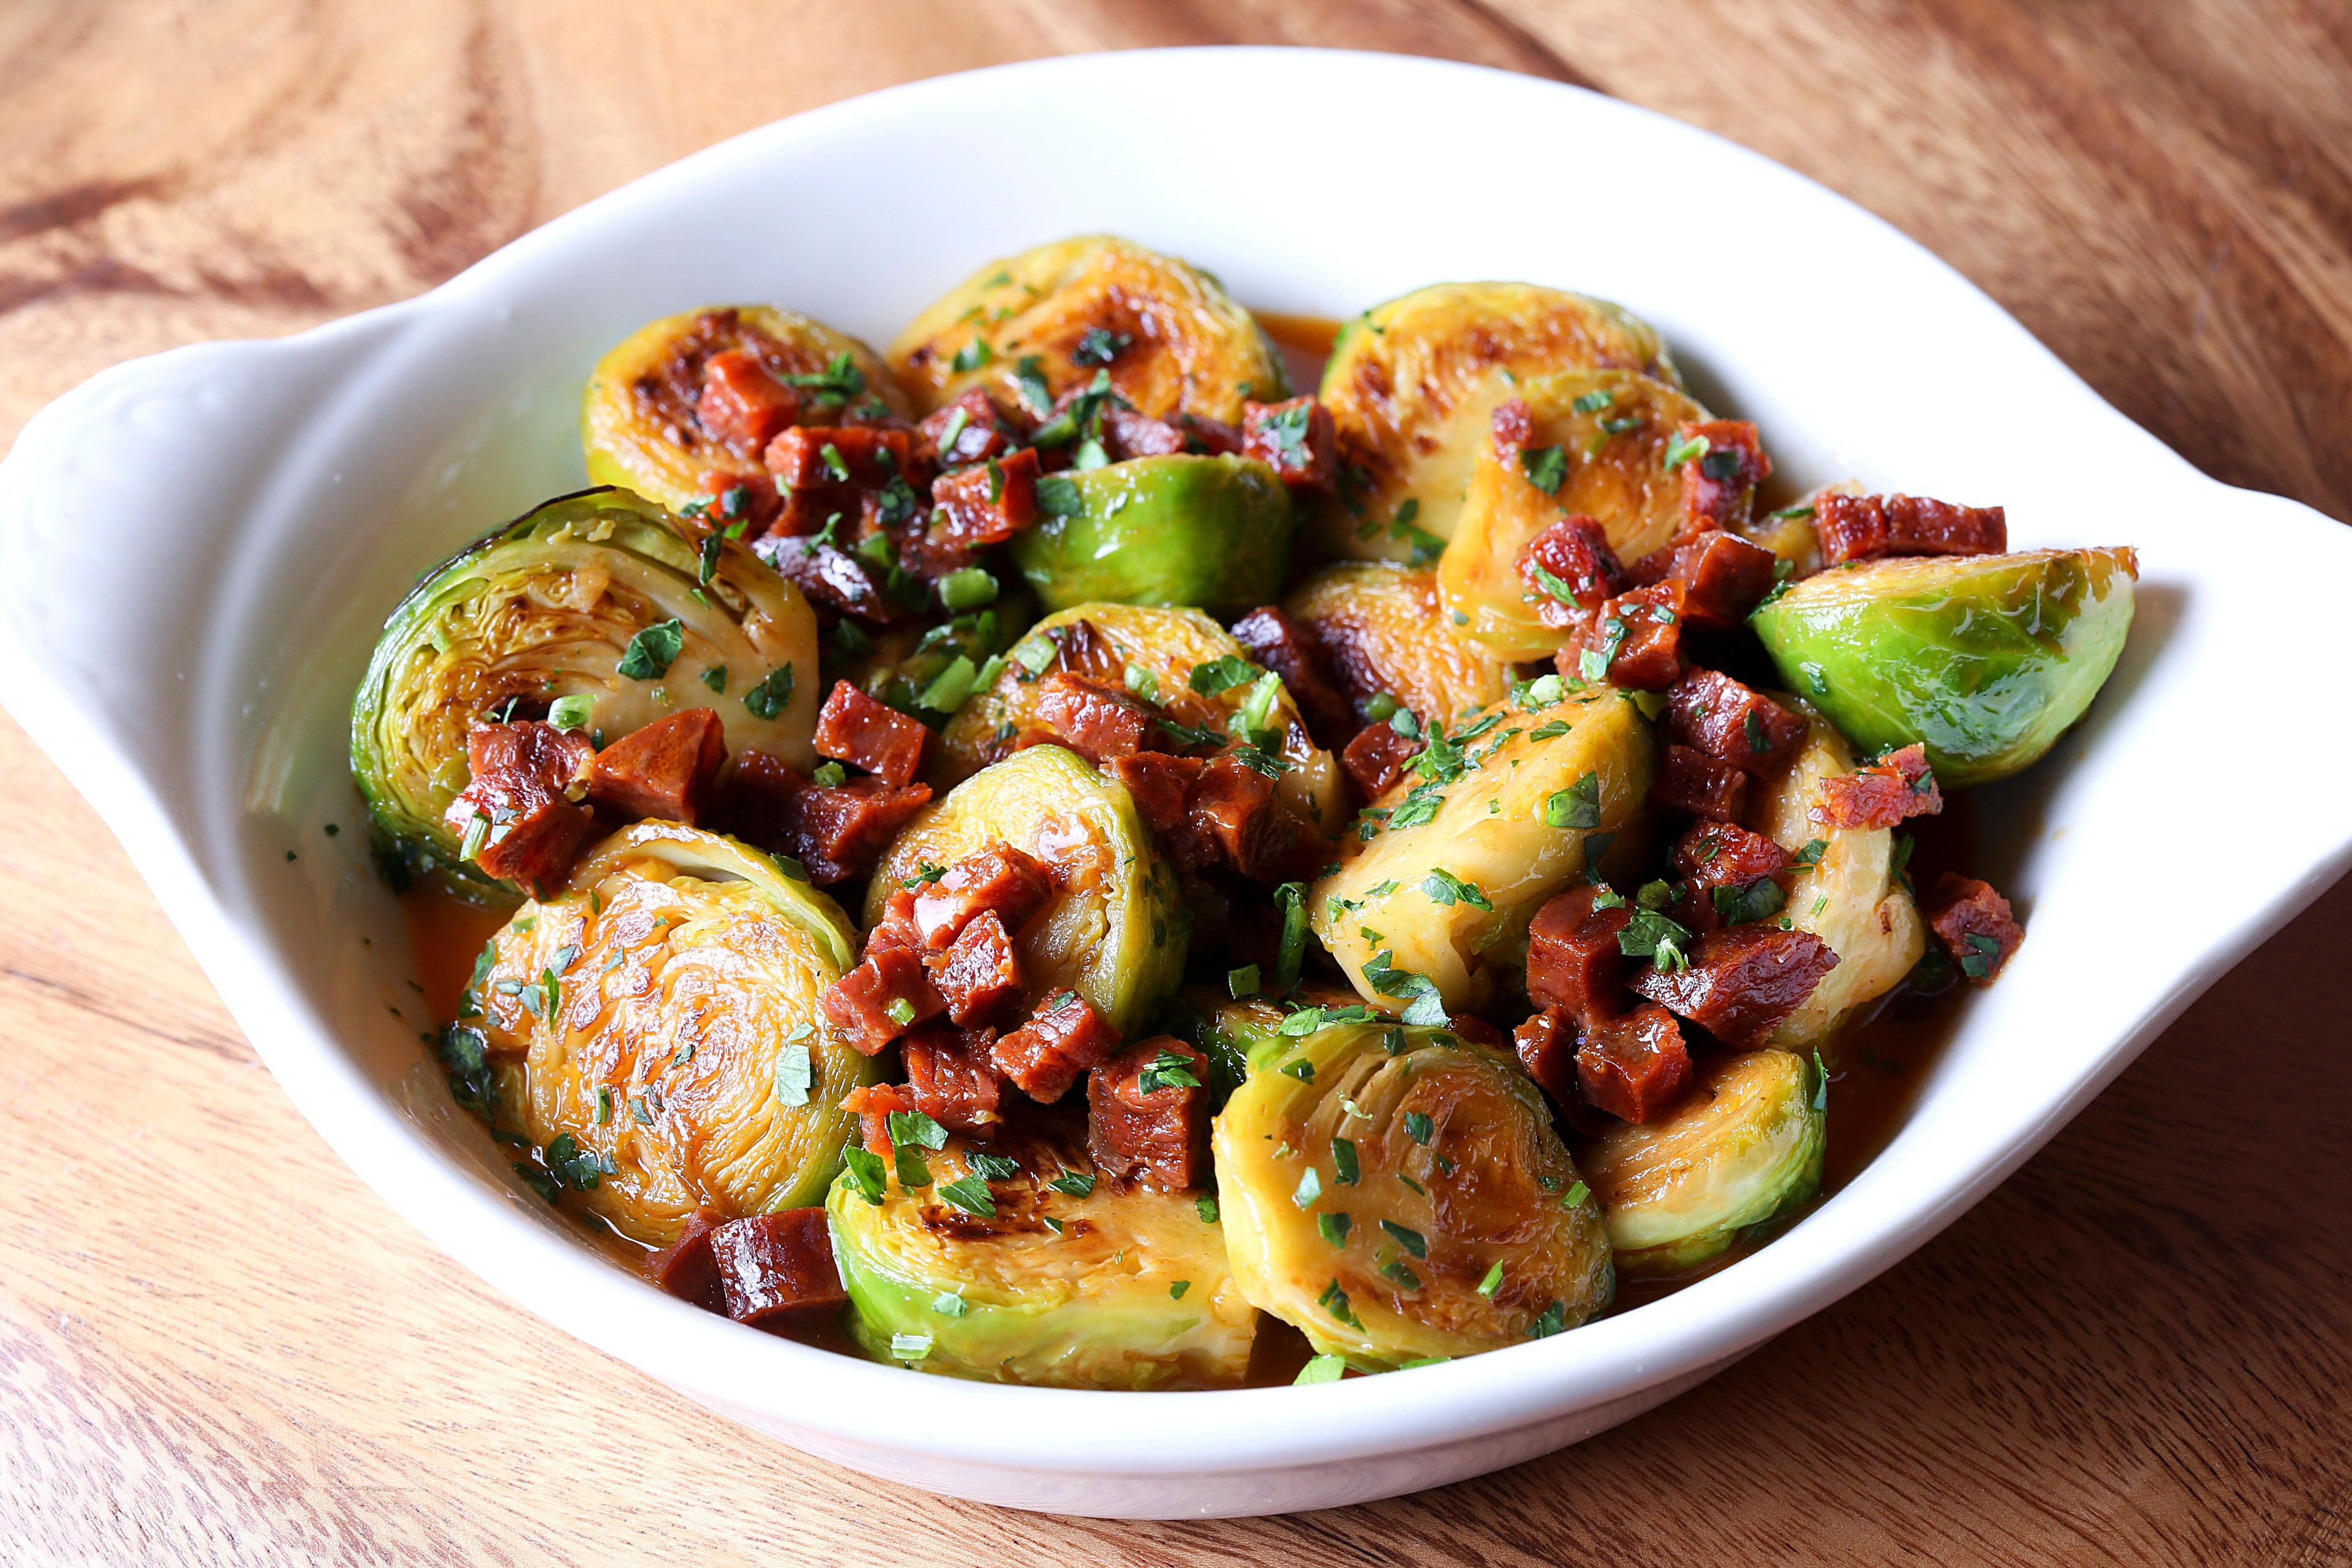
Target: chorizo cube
<point>742,407</point>
<point>979,974</point>
<point>1898,786</point>
<point>863,456</point>
<point>1093,720</point>
<point>522,810</point>
<point>1571,557</point>
<point>868,733</point>
<point>686,1268</point>
<point>952,1078</point>
<point>1292,650</point>
<point>1635,1066</point>
<point>1231,809</point>
<point>1147,1115</point>
<point>1975,924</point>
<point>1546,1045</point>
<point>1724,576</point>
<point>1711,713</point>
<point>1062,1039</point>
<point>1295,439</point>
<point>1574,961</point>
<point>1689,780</point>
<point>776,1271</point>
<point>1739,983</point>
<point>967,428</point>
<point>873,1105</point>
<point>1159,784</point>
<point>1129,433</point>
<point>986,503</point>
<point>1006,881</point>
<point>1376,759</point>
<point>667,769</point>
<point>888,993</point>
<point>1726,855</point>
<point>1633,640</point>
<point>1917,525</point>
<point>1719,484</point>
<point>838,831</point>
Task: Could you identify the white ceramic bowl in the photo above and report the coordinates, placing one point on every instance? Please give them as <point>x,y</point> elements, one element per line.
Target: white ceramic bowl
<point>194,549</point>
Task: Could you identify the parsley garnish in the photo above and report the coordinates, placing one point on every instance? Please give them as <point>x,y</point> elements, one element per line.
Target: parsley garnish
<point>1167,1070</point>
<point>1344,1165</point>
<point>1577,805</point>
<point>651,652</point>
<point>1099,346</point>
<point>768,698</point>
<point>970,1195</point>
<point>1427,1008</point>
<point>1443,886</point>
<point>1545,467</point>
<point>1076,1183</point>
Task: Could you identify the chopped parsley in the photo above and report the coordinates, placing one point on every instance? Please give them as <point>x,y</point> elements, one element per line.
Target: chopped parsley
<point>1076,1183</point>
<point>768,698</point>
<point>1577,805</point>
<point>651,652</point>
<point>1545,467</point>
<point>1443,886</point>
<point>970,1195</point>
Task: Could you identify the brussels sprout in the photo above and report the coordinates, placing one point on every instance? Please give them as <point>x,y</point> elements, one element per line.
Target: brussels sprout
<point>1115,931</point>
<point>1438,892</point>
<point>657,1016</point>
<point>1239,1033</point>
<point>1156,652</point>
<point>1398,1193</point>
<point>1744,1149</point>
<point>1033,326</point>
<point>591,595</point>
<point>1209,531</point>
<point>1614,431</point>
<point>1091,1283</point>
<point>1846,892</point>
<point>638,422</point>
<point>1412,386</point>
<point>1386,632</point>
<point>1986,658</point>
<point>903,665</point>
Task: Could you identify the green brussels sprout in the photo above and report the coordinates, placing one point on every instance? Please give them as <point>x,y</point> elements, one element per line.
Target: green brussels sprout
<point>1050,1276</point>
<point>637,419</point>
<point>1847,892</point>
<point>1614,430</point>
<point>1986,658</point>
<point>1114,931</point>
<point>592,595</point>
<point>1033,326</point>
<point>1439,891</point>
<point>1386,631</point>
<point>653,1024</point>
<point>1166,655</point>
<point>1397,1194</point>
<point>1238,1033</point>
<point>904,665</point>
<point>1412,386</point>
<point>1742,1151</point>
<point>1209,531</point>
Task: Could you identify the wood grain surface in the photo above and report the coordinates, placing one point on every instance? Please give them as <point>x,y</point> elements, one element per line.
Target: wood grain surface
<point>216,1347</point>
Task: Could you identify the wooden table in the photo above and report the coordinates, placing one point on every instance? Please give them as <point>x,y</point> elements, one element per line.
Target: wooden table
<point>215,1346</point>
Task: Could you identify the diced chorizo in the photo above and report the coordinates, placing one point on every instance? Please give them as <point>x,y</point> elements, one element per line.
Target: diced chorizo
<point>1635,1066</point>
<point>777,1271</point>
<point>1739,983</point>
<point>1719,484</point>
<point>1062,1039</point>
<point>522,813</point>
<point>1147,1115</point>
<point>1709,711</point>
<point>1375,758</point>
<point>1080,648</point>
<point>1879,795</point>
<point>1295,439</point>
<point>1546,1045</point>
<point>1093,720</point>
<point>979,973</point>
<point>1724,577</point>
<point>1512,428</point>
<point>1568,570</point>
<point>742,406</point>
<point>668,769</point>
<point>1863,528</point>
<point>1293,652</point>
<point>986,503</point>
<point>952,1076</point>
<point>866,457</point>
<point>1975,924</point>
<point>686,1267</point>
<point>1127,434</point>
<point>1232,807</point>
<point>1574,961</point>
<point>1725,855</point>
<point>965,429</point>
<point>889,992</point>
<point>1003,881</point>
<point>842,829</point>
<point>1213,436</point>
<point>868,733</point>
<point>1689,780</point>
<point>1478,1032</point>
<point>1160,784</point>
<point>873,1105</point>
<point>1633,640</point>
<point>831,577</point>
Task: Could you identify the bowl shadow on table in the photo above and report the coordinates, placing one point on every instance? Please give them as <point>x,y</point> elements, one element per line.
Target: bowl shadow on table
<point>2132,1350</point>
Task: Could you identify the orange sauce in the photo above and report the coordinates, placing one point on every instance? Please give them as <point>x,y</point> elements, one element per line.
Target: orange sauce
<point>446,934</point>
<point>1305,342</point>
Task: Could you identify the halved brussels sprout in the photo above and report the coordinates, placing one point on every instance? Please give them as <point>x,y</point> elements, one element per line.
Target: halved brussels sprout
<point>1033,326</point>
<point>1239,1034</point>
<point>1986,658</point>
<point>1213,533</point>
<point>1846,891</point>
<point>637,420</point>
<point>1152,650</point>
<point>1126,1287</point>
<point>1742,1150</point>
<point>1412,386</point>
<point>1385,630</point>
<point>657,1020</point>
<point>905,665</point>
<point>1398,1194</point>
<point>1115,928</point>
<point>595,595</point>
<point>1614,430</point>
<point>1442,894</point>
